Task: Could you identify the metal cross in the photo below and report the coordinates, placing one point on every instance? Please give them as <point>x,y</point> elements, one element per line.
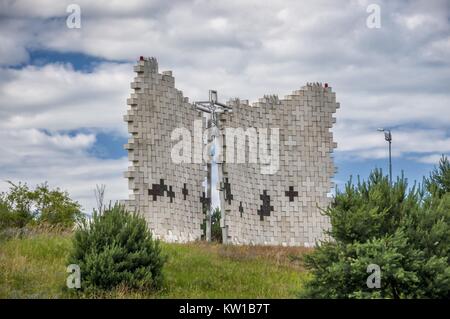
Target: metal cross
<point>213,107</point>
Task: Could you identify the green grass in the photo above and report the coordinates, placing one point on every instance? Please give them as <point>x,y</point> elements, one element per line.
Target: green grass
<point>35,267</point>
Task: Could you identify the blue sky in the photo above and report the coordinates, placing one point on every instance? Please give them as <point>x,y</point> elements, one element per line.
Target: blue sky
<point>63,91</point>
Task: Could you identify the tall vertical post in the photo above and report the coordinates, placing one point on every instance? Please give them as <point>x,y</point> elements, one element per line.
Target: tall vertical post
<point>220,186</point>
<point>210,138</point>
<point>390,158</point>
<point>213,107</point>
<point>388,138</point>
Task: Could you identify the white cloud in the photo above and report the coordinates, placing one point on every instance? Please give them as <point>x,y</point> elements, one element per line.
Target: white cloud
<point>431,159</point>
<point>415,21</point>
<point>396,76</point>
<point>438,50</point>
<point>367,143</point>
<point>261,31</point>
<point>32,156</point>
<point>56,97</point>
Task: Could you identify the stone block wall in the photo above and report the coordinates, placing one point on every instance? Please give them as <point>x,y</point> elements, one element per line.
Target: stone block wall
<point>261,205</point>
<point>167,194</point>
<point>281,207</point>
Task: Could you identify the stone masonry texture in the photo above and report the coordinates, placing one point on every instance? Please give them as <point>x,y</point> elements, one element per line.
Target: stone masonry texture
<point>167,194</point>
<point>279,207</point>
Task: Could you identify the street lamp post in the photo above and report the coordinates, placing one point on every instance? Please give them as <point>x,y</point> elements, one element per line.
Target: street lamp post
<point>388,138</point>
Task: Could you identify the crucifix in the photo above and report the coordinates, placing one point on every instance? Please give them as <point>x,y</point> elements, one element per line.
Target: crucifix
<point>212,109</point>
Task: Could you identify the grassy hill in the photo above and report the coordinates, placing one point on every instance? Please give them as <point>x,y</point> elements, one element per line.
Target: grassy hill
<point>35,267</point>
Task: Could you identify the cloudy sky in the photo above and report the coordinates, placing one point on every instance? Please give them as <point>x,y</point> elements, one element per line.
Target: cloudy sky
<point>63,90</point>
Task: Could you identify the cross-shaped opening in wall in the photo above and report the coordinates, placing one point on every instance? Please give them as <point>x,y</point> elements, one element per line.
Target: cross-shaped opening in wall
<point>184,191</point>
<point>241,209</point>
<point>265,208</point>
<point>291,194</point>
<point>228,195</point>
<point>171,194</point>
<point>157,189</point>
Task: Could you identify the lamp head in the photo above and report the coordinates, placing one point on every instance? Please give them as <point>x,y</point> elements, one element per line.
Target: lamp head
<point>388,136</point>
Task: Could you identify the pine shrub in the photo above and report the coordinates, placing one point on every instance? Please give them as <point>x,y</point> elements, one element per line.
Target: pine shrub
<point>115,248</point>
<point>404,230</point>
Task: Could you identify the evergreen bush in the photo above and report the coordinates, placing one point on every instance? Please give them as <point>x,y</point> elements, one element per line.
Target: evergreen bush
<point>116,248</point>
<point>405,231</point>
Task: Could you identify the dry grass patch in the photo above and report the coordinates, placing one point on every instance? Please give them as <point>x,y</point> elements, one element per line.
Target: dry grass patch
<point>281,256</point>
